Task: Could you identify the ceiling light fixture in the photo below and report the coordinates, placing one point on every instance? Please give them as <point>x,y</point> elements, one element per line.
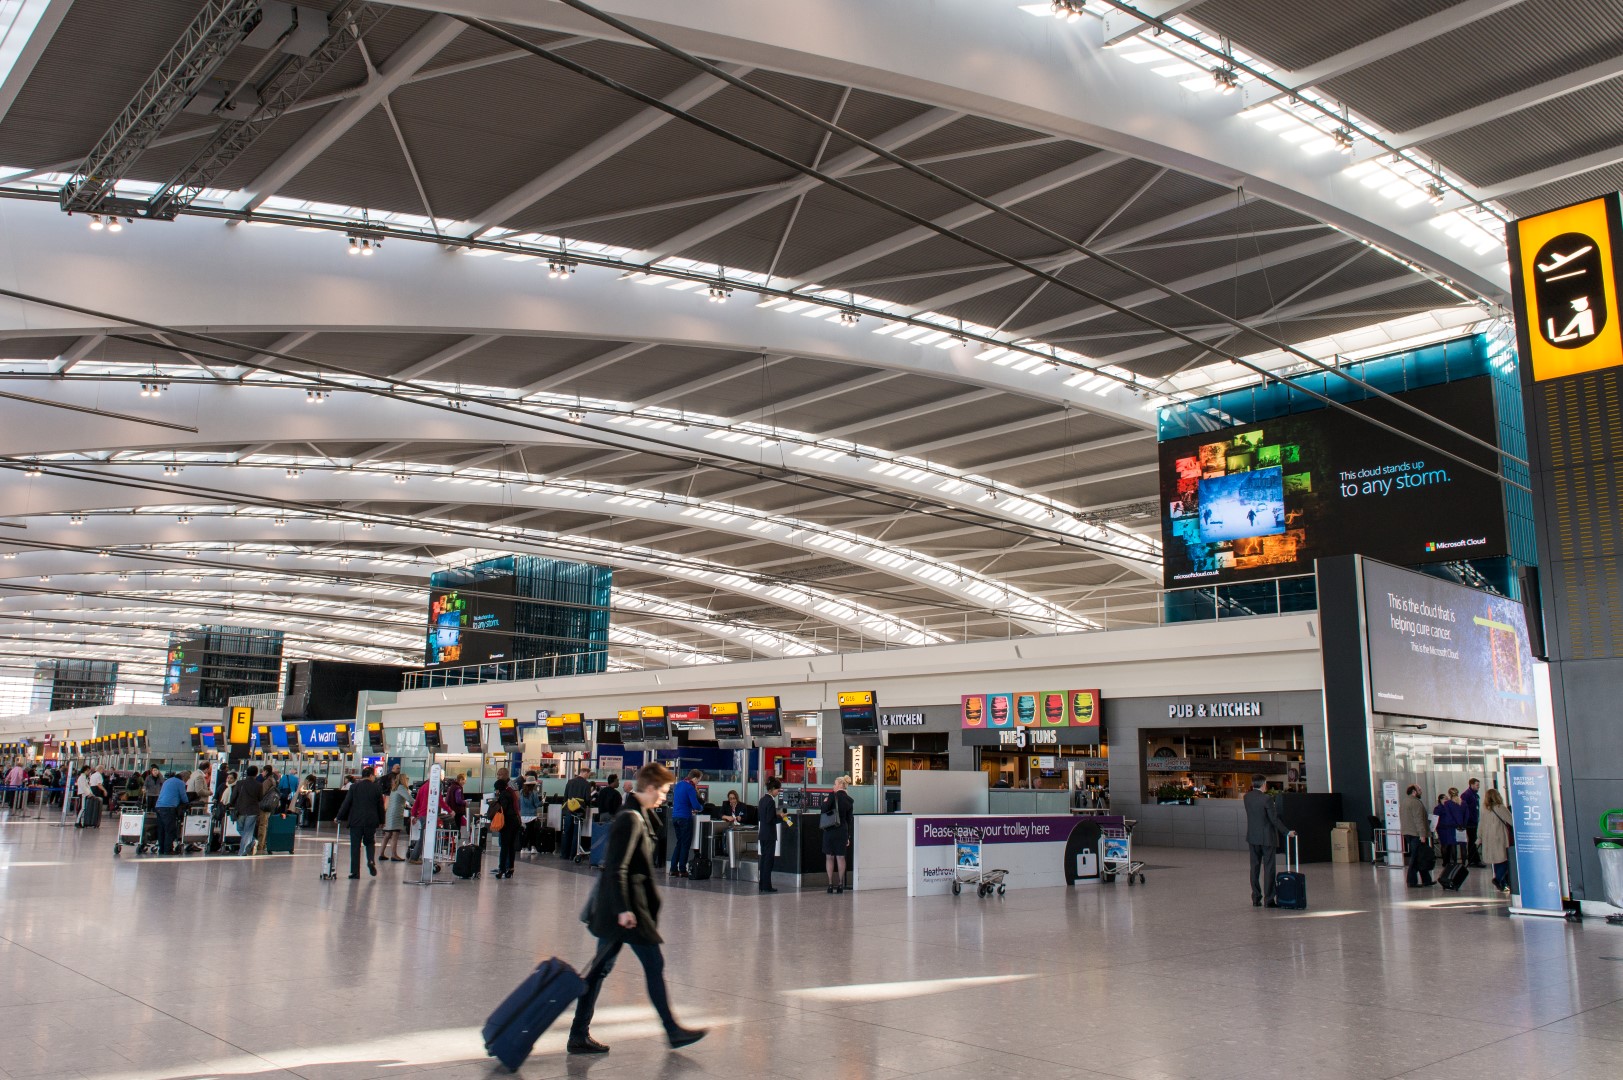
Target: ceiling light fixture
<point>96,223</point>
<point>576,416</point>
<point>1069,10</point>
<point>104,554</point>
<point>172,469</point>
<point>720,293</point>
<point>153,388</point>
<point>76,519</point>
<point>1344,137</point>
<point>45,577</point>
<point>561,268</point>
<point>294,473</point>
<point>123,575</point>
<point>849,317</point>
<point>9,555</point>
<point>114,225</point>
<point>184,519</point>
<point>367,526</point>
<point>400,478</point>
<point>1436,193</point>
<point>280,522</point>
<point>1226,79</point>
<point>191,554</point>
<point>316,397</point>
<point>364,243</point>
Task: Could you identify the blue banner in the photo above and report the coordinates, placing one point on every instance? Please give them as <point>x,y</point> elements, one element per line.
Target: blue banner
<point>318,736</point>
<point>1538,859</point>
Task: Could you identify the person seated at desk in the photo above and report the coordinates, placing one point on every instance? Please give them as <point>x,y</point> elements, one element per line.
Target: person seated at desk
<point>734,812</point>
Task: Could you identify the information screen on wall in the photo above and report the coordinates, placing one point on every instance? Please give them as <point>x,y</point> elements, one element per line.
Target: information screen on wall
<point>471,624</point>
<point>765,717</point>
<point>1266,499</point>
<point>1446,652</point>
<point>183,672</point>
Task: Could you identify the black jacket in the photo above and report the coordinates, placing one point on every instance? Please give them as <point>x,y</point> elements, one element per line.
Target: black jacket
<point>245,802</point>
<point>608,800</point>
<point>627,883</point>
<point>363,805</point>
<point>767,818</point>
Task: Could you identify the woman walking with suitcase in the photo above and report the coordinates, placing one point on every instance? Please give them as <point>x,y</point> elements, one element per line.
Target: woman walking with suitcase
<point>625,911</point>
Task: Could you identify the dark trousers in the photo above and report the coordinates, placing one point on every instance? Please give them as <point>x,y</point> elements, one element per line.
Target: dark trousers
<point>168,829</point>
<point>1501,874</point>
<point>569,841</point>
<point>653,970</point>
<point>681,843</point>
<point>1262,861</point>
<point>507,845</point>
<point>1411,855</point>
<point>1451,855</point>
<point>358,837</point>
<point>769,855</point>
<point>1473,854</point>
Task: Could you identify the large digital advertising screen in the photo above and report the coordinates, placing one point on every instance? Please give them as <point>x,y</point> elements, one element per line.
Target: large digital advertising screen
<point>1442,651</point>
<point>471,623</point>
<point>183,672</point>
<point>1265,500</point>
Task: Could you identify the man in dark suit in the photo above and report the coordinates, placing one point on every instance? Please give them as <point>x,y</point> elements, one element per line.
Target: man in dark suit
<point>363,811</point>
<point>1263,828</point>
<point>767,817</point>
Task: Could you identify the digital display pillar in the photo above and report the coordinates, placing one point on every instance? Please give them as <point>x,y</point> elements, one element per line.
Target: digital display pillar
<point>1569,332</point>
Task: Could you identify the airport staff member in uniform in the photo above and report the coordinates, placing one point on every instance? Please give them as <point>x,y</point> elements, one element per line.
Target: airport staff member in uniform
<point>767,817</point>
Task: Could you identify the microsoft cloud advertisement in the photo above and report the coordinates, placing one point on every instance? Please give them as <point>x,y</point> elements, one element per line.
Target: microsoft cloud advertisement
<point>1265,500</point>
<point>1445,652</point>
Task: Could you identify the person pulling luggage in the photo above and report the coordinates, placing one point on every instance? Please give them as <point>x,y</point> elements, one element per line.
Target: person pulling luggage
<point>1263,829</point>
<point>363,810</point>
<point>624,911</point>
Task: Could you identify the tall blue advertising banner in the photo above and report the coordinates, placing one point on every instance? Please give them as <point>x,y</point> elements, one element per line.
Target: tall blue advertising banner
<point>1538,859</point>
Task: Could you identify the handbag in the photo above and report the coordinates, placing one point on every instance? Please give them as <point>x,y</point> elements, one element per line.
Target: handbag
<point>498,820</point>
<point>830,818</point>
<point>270,802</point>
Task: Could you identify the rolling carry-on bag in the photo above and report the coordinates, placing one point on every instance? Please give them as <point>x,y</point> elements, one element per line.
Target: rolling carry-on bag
<point>279,834</point>
<point>467,862</point>
<point>701,867</point>
<point>528,1011</point>
<point>1290,885</point>
<point>600,845</point>
<point>90,813</point>
<point>329,861</point>
<point>1454,875</point>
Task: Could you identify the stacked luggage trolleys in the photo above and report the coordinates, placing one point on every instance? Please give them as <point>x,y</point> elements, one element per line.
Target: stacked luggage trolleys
<point>1116,853</point>
<point>967,868</point>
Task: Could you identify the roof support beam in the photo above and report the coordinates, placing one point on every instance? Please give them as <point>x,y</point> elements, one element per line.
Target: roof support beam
<point>1511,103</point>
<point>693,386</point>
<point>1037,185</point>
<point>285,343</point>
<point>599,150</point>
<point>406,61</point>
<point>586,367</point>
<point>964,398</point>
<point>76,352</point>
<point>445,356</point>
<point>1563,170</point>
<point>1189,215</point>
<point>1317,246</point>
<point>1119,26</point>
<point>23,45</point>
<point>1404,37</point>
<point>896,137</point>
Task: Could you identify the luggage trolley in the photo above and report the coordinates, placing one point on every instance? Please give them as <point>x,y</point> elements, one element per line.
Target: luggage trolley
<point>966,865</point>
<point>1116,853</point>
<point>138,828</point>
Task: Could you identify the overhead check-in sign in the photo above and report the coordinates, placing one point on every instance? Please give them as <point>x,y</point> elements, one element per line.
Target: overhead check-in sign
<point>1566,288</point>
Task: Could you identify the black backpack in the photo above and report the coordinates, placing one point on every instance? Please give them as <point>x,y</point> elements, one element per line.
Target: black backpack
<point>700,868</point>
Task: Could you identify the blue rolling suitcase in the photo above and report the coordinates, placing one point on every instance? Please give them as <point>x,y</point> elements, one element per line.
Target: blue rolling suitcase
<point>1290,884</point>
<point>600,843</point>
<point>524,1017</point>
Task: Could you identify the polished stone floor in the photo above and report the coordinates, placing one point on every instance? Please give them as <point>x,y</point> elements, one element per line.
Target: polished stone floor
<point>196,967</point>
